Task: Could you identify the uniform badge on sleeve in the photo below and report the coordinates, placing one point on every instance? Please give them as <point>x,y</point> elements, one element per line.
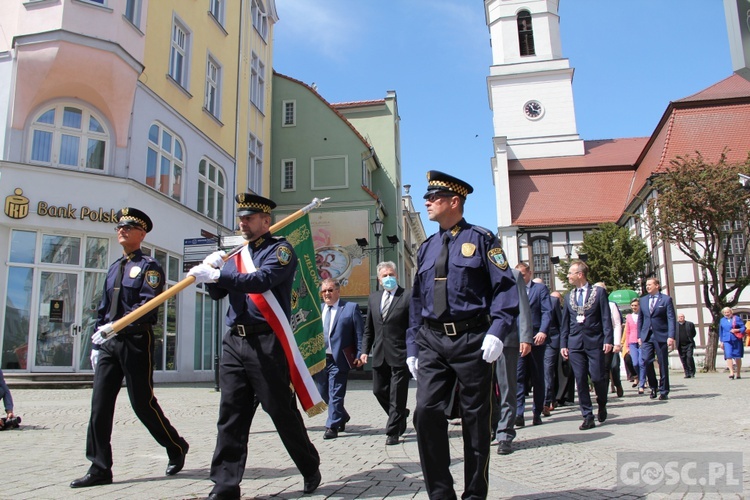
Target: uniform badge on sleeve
<point>497,257</point>
<point>153,278</point>
<point>284,255</point>
<point>468,249</point>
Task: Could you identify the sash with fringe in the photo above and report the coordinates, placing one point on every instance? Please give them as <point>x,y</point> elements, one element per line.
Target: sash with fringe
<point>269,307</point>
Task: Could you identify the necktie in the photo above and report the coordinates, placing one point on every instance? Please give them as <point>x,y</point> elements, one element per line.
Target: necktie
<point>440,295</point>
<point>115,300</point>
<point>386,305</point>
<point>327,324</point>
<point>652,303</point>
<point>580,297</point>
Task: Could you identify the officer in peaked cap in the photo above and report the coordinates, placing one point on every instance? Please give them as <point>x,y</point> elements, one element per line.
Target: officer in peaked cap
<point>462,307</point>
<point>132,280</point>
<point>253,365</point>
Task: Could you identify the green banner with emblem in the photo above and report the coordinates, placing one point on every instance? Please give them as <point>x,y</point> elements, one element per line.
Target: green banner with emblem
<point>305,321</point>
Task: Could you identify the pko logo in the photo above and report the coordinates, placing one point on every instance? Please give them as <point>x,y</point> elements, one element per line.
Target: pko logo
<point>667,472</point>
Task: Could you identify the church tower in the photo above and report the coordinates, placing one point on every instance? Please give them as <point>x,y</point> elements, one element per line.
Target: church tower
<point>530,89</point>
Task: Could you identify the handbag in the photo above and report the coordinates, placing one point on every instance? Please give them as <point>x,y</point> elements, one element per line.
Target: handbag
<point>740,335</point>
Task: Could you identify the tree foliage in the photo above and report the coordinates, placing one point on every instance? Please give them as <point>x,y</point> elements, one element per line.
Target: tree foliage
<point>696,204</point>
<point>614,256</point>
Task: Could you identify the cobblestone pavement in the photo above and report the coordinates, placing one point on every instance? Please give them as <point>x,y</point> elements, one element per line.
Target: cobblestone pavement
<point>553,460</point>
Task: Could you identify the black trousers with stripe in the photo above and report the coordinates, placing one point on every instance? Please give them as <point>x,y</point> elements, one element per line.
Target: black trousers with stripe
<point>127,356</point>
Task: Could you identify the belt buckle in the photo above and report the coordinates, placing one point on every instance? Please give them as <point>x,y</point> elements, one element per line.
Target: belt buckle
<point>240,330</point>
<point>450,331</point>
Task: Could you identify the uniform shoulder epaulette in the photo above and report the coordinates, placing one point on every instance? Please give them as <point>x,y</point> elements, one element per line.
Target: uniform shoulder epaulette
<point>483,231</point>
<point>278,238</point>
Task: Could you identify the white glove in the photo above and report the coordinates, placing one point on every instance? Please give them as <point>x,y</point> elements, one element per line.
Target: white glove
<point>203,273</point>
<point>103,334</point>
<point>492,348</point>
<point>94,358</point>
<point>215,260</point>
<point>413,363</point>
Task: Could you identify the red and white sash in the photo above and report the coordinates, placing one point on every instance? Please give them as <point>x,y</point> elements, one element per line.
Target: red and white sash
<point>273,313</point>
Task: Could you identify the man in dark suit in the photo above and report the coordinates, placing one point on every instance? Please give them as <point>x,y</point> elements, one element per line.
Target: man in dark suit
<point>586,335</point>
<point>517,343</point>
<point>686,344</point>
<point>533,365</point>
<point>656,331</point>
<point>552,354</point>
<point>342,331</point>
<point>385,341</point>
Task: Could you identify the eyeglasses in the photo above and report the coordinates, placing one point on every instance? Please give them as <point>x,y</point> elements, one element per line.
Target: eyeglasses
<point>329,290</point>
<point>125,228</point>
<point>432,197</point>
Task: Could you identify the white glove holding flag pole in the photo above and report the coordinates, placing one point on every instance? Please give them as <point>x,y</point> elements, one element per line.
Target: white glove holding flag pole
<point>492,348</point>
<point>103,334</point>
<point>94,358</point>
<point>216,259</point>
<point>203,273</point>
<point>413,363</point>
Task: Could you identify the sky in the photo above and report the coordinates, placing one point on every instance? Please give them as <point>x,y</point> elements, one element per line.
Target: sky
<point>631,58</point>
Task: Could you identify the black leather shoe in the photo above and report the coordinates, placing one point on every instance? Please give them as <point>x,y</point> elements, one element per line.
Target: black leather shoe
<point>217,496</point>
<point>391,440</point>
<point>504,448</point>
<point>90,480</point>
<point>653,394</point>
<point>312,482</point>
<point>663,397</point>
<point>602,414</point>
<point>520,422</point>
<point>175,465</point>
<point>619,390</point>
<point>331,433</point>
<point>342,427</point>
<point>537,420</point>
<point>588,423</point>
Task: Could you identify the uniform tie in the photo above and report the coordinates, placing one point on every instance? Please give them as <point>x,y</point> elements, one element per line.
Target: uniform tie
<point>386,305</point>
<point>115,300</point>
<point>327,325</point>
<point>440,295</point>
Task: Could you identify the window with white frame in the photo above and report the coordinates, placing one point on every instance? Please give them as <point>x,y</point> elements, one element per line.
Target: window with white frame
<point>165,161</point>
<point>133,12</point>
<point>733,237</point>
<point>541,260</point>
<point>179,54</point>
<point>257,82</point>
<point>211,191</point>
<point>255,164</point>
<point>213,87</point>
<point>216,8</point>
<point>289,113</point>
<point>288,175</point>
<point>69,136</point>
<point>260,18</point>
<point>166,327</point>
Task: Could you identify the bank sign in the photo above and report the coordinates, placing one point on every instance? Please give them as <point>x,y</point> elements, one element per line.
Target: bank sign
<point>17,207</point>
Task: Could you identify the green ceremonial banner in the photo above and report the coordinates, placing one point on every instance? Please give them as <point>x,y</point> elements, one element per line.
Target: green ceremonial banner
<point>306,323</point>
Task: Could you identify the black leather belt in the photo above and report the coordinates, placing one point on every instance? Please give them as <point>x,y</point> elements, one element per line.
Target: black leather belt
<point>456,327</point>
<point>245,330</point>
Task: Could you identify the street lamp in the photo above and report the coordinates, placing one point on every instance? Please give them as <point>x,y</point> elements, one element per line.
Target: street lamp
<point>377,230</point>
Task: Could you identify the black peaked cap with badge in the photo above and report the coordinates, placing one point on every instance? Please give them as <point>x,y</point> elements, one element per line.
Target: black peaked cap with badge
<point>249,204</point>
<point>133,217</point>
<point>439,182</point>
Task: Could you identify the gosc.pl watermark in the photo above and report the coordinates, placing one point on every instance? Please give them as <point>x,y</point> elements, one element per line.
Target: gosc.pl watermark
<point>707,472</point>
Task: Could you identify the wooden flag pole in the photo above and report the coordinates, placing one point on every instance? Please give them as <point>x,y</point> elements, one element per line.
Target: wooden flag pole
<point>189,280</point>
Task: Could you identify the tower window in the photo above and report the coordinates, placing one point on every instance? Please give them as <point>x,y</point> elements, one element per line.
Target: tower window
<point>525,33</point>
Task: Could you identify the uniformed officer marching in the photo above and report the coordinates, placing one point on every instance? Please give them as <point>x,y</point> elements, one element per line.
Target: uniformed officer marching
<point>463,304</point>
<point>253,365</point>
<point>132,280</point>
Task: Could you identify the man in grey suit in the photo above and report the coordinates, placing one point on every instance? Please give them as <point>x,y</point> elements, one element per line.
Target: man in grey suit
<point>656,331</point>
<point>518,342</point>
<point>384,341</point>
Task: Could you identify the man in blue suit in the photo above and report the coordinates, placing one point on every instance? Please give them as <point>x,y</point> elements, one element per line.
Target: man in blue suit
<point>342,330</point>
<point>586,335</point>
<point>656,329</point>
<point>541,314</point>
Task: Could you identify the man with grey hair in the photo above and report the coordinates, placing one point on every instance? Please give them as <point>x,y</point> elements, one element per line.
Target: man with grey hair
<point>384,341</point>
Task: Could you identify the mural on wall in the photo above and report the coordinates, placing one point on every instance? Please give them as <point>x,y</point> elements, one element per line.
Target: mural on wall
<point>337,255</point>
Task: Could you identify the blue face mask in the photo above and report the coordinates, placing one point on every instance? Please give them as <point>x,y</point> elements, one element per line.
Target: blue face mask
<point>389,283</point>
